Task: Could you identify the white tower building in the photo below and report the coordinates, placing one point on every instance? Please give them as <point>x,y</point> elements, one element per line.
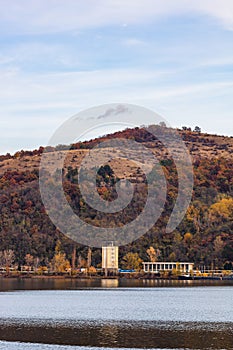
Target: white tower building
<point>110,258</point>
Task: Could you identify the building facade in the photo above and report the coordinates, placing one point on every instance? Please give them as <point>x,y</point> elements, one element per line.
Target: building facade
<point>157,267</point>
<point>110,258</point>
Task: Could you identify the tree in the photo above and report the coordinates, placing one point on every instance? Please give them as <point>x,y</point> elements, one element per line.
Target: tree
<point>7,258</point>
<point>73,263</point>
<point>81,262</point>
<point>197,129</point>
<point>153,254</point>
<point>59,262</point>
<point>222,210</point>
<point>218,248</point>
<point>29,259</point>
<point>218,245</point>
<point>36,263</point>
<point>188,238</point>
<point>131,261</point>
<point>92,270</point>
<point>227,252</point>
<point>89,258</point>
<point>194,214</point>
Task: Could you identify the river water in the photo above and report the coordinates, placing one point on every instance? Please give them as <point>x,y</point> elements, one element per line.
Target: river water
<point>110,314</point>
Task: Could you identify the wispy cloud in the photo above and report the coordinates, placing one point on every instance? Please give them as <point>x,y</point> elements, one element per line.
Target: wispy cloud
<point>134,42</point>
<point>57,57</point>
<point>41,16</point>
<point>57,94</point>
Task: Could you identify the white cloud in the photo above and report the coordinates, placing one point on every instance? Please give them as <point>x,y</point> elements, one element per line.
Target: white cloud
<point>131,42</point>
<point>222,10</point>
<point>56,92</point>
<point>55,95</point>
<point>42,16</point>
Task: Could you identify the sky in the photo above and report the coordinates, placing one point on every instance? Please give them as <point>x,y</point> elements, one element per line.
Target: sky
<point>59,57</point>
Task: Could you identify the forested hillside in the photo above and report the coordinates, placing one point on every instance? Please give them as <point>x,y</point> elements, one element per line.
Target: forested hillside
<point>205,236</point>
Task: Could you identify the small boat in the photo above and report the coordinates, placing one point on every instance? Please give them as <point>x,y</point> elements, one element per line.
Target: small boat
<point>185,277</point>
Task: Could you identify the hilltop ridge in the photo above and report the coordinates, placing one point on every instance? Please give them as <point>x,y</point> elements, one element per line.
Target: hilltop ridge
<point>200,145</point>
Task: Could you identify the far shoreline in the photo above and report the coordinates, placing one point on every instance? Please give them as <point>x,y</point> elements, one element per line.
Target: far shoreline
<point>135,276</point>
<point>54,282</point>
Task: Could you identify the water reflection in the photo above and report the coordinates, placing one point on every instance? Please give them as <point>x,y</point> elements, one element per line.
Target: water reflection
<point>109,283</point>
<point>72,284</point>
<point>128,335</point>
<point>109,334</point>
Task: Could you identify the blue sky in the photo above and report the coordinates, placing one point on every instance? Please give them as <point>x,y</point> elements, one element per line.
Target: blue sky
<point>59,57</point>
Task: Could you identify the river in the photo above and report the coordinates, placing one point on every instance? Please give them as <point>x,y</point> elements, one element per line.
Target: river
<point>70,315</point>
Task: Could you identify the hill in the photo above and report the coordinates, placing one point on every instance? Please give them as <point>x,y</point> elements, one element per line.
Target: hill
<point>204,236</point>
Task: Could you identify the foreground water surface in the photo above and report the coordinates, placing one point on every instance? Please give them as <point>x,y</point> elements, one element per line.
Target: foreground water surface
<point>160,317</point>
<point>30,346</point>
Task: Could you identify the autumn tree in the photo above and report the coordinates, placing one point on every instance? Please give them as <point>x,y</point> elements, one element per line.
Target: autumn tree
<point>81,262</point>
<point>59,262</point>
<point>7,258</point>
<point>131,261</point>
<point>73,260</point>
<point>222,210</point>
<point>218,248</point>
<point>188,238</point>
<point>153,254</point>
<point>29,259</point>
<point>89,253</point>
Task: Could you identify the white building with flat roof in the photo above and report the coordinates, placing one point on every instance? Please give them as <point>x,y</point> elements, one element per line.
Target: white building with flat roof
<point>160,266</point>
<point>110,257</point>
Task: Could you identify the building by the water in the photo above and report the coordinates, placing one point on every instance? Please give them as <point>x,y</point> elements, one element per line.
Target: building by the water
<point>110,258</point>
<point>157,267</point>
